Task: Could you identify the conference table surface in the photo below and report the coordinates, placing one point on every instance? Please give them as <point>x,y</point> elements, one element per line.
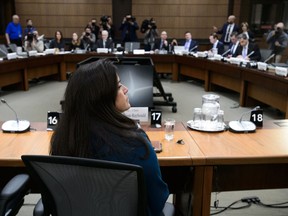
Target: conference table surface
<point>221,161</point>
<point>13,145</point>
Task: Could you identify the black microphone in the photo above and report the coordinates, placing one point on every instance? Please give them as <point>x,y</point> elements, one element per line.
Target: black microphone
<point>226,52</point>
<point>270,57</point>
<point>5,102</point>
<point>12,126</point>
<point>250,54</point>
<point>243,114</point>
<point>195,47</point>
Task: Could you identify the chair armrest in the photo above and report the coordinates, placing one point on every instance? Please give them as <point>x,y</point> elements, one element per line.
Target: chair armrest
<point>18,184</point>
<point>39,209</point>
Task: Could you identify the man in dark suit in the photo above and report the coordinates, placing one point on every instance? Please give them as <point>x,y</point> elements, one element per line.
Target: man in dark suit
<point>216,43</point>
<point>190,45</point>
<point>227,30</point>
<point>104,42</point>
<point>246,50</point>
<point>162,43</point>
<point>233,44</point>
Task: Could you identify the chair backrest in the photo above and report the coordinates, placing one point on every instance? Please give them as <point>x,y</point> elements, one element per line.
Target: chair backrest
<point>130,46</point>
<point>77,186</point>
<point>265,54</point>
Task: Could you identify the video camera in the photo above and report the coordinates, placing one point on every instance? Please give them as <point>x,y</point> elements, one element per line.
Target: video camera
<point>146,24</point>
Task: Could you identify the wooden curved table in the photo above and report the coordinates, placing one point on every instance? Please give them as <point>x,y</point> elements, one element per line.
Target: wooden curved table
<point>253,86</point>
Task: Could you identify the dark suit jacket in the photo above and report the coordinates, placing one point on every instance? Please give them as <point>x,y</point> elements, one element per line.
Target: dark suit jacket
<point>158,44</point>
<point>256,56</point>
<point>230,47</point>
<point>192,45</point>
<point>220,47</point>
<point>224,30</point>
<point>109,44</point>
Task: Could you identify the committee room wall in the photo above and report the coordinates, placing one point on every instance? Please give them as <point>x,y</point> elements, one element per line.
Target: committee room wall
<point>178,16</point>
<point>66,15</point>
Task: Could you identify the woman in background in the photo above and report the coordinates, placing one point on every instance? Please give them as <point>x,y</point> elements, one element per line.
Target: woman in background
<point>76,43</point>
<point>58,41</point>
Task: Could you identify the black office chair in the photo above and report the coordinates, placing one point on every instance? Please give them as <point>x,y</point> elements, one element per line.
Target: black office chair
<point>265,54</point>
<point>12,195</point>
<point>78,186</point>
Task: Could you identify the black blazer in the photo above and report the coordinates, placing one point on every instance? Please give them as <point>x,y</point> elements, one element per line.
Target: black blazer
<point>256,56</point>
<point>192,45</point>
<point>158,44</point>
<point>223,31</point>
<point>230,47</point>
<point>220,47</point>
<point>109,44</point>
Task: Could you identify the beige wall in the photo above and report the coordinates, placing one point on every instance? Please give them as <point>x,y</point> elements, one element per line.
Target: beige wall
<point>66,15</point>
<point>174,16</point>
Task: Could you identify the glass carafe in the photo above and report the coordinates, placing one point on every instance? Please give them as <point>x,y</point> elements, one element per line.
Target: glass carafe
<point>210,107</point>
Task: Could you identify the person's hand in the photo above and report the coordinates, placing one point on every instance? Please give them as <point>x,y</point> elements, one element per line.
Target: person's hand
<point>277,43</point>
<point>124,20</point>
<point>166,43</point>
<point>83,34</point>
<point>215,29</point>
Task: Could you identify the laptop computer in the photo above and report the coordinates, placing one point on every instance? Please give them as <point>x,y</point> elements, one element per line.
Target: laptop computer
<point>279,64</point>
<point>130,46</point>
<point>179,49</point>
<point>3,51</point>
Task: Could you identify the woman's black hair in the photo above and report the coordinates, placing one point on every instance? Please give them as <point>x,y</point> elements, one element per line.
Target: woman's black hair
<point>90,111</point>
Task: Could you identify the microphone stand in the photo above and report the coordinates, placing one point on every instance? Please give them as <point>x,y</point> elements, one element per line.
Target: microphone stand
<point>12,126</point>
<point>240,126</point>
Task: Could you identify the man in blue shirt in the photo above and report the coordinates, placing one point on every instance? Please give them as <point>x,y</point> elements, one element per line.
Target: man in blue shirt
<point>14,31</point>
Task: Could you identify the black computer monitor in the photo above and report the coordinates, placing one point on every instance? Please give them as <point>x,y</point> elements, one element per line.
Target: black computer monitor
<point>137,75</point>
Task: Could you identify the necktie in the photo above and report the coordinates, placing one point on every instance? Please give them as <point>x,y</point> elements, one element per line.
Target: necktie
<point>187,45</point>
<point>227,36</point>
<point>232,49</point>
<point>244,52</point>
<point>104,44</point>
<point>161,45</point>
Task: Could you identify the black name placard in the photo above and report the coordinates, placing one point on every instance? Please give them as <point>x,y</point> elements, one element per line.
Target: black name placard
<point>52,120</point>
<point>257,117</point>
<point>156,118</point>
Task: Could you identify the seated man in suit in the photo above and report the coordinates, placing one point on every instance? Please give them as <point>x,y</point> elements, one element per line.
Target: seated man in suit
<point>162,43</point>
<point>216,44</point>
<point>104,42</point>
<point>233,44</point>
<point>246,50</point>
<point>190,45</point>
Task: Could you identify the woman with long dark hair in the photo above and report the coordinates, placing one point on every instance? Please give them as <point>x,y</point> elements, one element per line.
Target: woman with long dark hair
<point>93,126</point>
<point>58,41</point>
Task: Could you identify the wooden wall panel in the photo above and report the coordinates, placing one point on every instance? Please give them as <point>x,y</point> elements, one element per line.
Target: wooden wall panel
<point>174,16</point>
<point>66,15</point>
<point>179,16</point>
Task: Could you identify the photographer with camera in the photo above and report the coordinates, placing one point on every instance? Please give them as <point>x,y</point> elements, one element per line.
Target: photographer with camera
<point>107,25</point>
<point>88,39</point>
<point>277,40</point>
<point>129,27</point>
<point>149,28</point>
<point>33,42</point>
<point>29,28</point>
<point>95,29</point>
